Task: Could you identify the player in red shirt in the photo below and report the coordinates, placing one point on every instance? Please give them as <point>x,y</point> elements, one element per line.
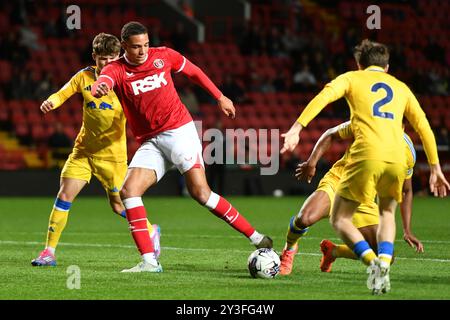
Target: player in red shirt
<point>142,81</point>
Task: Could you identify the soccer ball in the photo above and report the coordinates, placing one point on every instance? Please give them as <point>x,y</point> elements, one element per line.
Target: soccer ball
<point>264,263</point>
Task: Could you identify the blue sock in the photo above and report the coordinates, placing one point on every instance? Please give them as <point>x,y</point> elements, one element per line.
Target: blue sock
<point>385,251</point>
<point>294,229</point>
<point>62,205</point>
<point>364,252</point>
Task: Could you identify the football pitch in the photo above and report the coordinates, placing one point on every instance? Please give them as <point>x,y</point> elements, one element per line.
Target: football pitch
<point>202,257</point>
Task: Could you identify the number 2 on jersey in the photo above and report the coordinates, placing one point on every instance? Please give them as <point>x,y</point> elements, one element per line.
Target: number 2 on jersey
<point>377,105</point>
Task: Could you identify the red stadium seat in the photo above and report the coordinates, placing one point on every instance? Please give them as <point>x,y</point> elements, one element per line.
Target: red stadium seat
<point>12,160</point>
<point>4,115</point>
<point>18,116</point>
<point>315,135</point>
<point>71,132</point>
<point>39,133</point>
<point>6,74</point>
<point>21,130</point>
<point>33,118</point>
<point>64,117</point>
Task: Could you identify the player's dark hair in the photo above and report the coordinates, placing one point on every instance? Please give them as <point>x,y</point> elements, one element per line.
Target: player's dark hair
<point>132,28</point>
<point>369,53</point>
<point>105,44</point>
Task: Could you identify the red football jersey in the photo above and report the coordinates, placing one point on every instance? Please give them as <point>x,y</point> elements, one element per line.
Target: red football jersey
<point>147,93</point>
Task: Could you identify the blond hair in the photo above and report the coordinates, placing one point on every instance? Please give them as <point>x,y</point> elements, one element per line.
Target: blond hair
<point>105,44</point>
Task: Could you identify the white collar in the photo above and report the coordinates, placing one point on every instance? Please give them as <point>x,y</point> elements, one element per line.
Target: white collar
<point>132,63</point>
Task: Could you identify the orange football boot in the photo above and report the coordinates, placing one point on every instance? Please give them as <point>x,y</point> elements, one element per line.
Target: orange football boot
<point>287,260</point>
<point>326,246</point>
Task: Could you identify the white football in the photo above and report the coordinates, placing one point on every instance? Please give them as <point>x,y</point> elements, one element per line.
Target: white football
<point>264,263</point>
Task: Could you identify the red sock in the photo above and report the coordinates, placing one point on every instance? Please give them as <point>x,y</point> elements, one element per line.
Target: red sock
<point>137,218</point>
<point>225,211</point>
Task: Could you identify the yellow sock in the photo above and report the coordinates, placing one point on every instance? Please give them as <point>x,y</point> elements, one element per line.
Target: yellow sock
<point>294,233</point>
<point>368,257</point>
<point>343,251</point>
<point>56,225</point>
<point>291,240</point>
<point>387,260</point>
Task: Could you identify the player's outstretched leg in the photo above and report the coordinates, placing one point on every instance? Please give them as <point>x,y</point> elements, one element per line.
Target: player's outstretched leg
<point>224,210</point>
<point>221,208</point>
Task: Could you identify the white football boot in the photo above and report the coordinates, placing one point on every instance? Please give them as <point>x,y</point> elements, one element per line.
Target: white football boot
<point>378,280</point>
<point>145,267</point>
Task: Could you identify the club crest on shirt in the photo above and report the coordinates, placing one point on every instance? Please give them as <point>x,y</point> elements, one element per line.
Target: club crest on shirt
<point>158,63</point>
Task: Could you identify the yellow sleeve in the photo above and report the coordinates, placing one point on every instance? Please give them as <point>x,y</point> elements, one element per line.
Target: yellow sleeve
<point>418,120</point>
<point>68,90</point>
<point>345,131</point>
<point>410,156</point>
<point>334,90</point>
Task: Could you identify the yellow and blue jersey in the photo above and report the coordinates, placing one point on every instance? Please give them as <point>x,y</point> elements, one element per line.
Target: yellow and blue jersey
<point>410,156</point>
<point>103,132</point>
<point>345,132</point>
<point>377,104</point>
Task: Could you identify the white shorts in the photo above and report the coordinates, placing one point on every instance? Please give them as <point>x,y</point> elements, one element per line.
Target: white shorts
<point>179,147</point>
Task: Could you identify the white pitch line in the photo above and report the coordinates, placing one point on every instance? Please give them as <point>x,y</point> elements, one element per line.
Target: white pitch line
<point>97,245</point>
<point>172,235</point>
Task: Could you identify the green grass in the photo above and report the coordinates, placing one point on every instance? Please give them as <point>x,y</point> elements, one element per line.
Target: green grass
<point>203,258</point>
